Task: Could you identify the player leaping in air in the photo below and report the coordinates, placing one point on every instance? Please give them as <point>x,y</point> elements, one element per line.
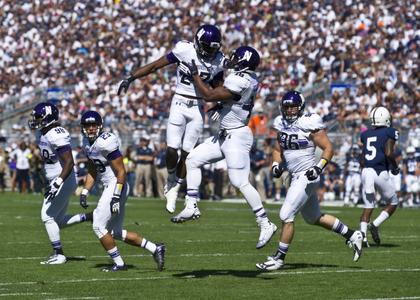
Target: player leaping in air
<point>185,123</point>
<point>234,140</point>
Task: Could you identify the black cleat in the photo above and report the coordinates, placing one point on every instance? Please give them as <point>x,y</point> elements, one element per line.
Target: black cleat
<point>374,231</point>
<point>159,256</point>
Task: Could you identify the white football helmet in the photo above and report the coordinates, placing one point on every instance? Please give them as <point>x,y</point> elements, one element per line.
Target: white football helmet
<point>380,116</point>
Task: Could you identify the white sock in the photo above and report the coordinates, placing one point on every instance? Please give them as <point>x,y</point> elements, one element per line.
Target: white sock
<point>116,257</point>
<point>76,219</point>
<point>251,196</point>
<point>53,230</point>
<point>363,227</point>
<point>381,218</point>
<point>148,245</point>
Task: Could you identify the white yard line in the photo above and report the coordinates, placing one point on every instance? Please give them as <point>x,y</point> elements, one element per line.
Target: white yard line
<point>285,273</point>
<point>399,298</point>
<point>23,294</point>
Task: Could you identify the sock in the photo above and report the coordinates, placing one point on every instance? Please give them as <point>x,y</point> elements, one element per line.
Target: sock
<point>116,257</point>
<point>381,218</point>
<point>191,199</point>
<point>179,181</point>
<point>260,212</point>
<point>251,196</point>
<point>148,245</point>
<point>171,175</point>
<point>363,227</point>
<point>342,229</point>
<point>75,219</point>
<point>57,247</point>
<point>53,230</point>
<point>282,250</point>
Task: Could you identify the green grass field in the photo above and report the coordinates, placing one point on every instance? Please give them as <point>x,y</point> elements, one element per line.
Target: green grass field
<point>212,258</point>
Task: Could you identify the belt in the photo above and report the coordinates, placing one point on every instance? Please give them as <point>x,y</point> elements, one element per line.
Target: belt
<point>189,100</point>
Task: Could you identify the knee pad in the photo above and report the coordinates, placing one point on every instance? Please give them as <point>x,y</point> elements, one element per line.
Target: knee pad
<point>99,231</point>
<point>119,235</point>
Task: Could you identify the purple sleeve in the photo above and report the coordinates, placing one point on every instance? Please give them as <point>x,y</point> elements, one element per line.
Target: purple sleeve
<point>172,58</point>
<point>63,149</point>
<point>114,155</point>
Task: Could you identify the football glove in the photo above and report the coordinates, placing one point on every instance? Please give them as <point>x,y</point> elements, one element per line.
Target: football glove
<point>188,69</point>
<point>313,173</point>
<point>53,189</point>
<point>83,199</point>
<point>214,112</point>
<point>276,170</point>
<point>395,171</point>
<point>115,204</point>
<point>125,84</point>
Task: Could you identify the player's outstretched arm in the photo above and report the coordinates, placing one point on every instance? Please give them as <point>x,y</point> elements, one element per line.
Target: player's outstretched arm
<point>143,71</point>
<point>117,166</point>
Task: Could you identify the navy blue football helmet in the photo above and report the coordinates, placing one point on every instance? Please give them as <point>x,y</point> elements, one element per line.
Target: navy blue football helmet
<point>244,58</point>
<point>207,41</point>
<point>90,118</point>
<point>292,105</point>
<point>43,115</point>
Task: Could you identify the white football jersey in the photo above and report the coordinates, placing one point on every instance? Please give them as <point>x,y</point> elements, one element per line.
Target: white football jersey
<point>353,165</point>
<point>298,148</point>
<point>105,145</point>
<point>48,144</point>
<point>236,113</point>
<point>185,51</point>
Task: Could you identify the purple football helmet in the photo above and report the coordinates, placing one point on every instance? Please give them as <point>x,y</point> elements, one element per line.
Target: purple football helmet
<point>90,118</point>
<point>207,41</point>
<point>43,115</point>
<point>244,58</point>
<point>292,105</point>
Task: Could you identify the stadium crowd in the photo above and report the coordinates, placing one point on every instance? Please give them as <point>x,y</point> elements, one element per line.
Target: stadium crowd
<point>358,53</point>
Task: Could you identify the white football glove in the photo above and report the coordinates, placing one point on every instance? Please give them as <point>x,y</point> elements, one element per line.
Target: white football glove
<point>184,68</point>
<point>53,189</point>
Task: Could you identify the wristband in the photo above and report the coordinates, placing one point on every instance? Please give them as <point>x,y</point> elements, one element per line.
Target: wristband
<point>322,163</point>
<point>118,189</point>
<point>58,180</point>
<point>84,192</point>
<point>131,78</point>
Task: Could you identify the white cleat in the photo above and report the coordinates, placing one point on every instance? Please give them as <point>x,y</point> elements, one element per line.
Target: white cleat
<point>267,231</point>
<point>271,264</point>
<point>187,214</point>
<point>171,194</point>
<point>55,259</point>
<point>356,241</point>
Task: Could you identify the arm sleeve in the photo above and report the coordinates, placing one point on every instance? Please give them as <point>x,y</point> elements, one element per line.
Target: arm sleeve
<point>60,141</point>
<point>313,123</point>
<point>109,147</point>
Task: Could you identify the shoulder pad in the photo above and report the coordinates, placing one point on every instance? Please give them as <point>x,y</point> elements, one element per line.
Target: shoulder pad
<point>278,121</point>
<point>183,50</point>
<point>107,141</point>
<point>311,122</point>
<point>235,83</point>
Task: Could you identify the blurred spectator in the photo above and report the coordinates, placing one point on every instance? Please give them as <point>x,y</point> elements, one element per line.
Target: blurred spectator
<point>3,169</point>
<point>22,156</point>
<point>258,161</point>
<point>144,160</point>
<point>130,168</point>
<point>160,167</point>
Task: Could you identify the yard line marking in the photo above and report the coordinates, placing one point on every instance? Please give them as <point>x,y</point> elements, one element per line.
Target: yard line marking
<point>205,254</point>
<point>413,297</point>
<point>287,273</point>
<point>80,298</point>
<point>23,294</point>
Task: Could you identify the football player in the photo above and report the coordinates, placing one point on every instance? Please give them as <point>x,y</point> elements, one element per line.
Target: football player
<point>185,122</point>
<point>298,134</point>
<point>352,173</point>
<point>106,164</point>
<point>377,159</point>
<point>411,171</point>
<point>234,140</point>
<point>54,145</point>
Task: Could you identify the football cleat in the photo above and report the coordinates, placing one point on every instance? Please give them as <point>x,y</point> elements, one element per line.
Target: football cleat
<point>171,194</point>
<point>355,242</point>
<point>272,263</point>
<point>267,231</point>
<point>187,214</point>
<point>374,231</point>
<point>115,268</point>
<point>55,259</point>
<point>159,256</point>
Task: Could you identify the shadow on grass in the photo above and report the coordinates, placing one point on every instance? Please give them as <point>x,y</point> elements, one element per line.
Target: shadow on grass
<point>75,258</point>
<point>103,266</point>
<point>384,245</point>
<point>249,273</point>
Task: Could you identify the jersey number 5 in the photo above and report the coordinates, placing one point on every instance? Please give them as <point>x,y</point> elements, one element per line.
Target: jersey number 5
<point>370,148</point>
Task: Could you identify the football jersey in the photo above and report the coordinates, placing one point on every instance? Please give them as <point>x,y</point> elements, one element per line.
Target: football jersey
<point>235,114</point>
<point>298,148</point>
<point>353,165</point>
<point>48,145</point>
<point>104,149</point>
<point>185,51</point>
<point>374,141</point>
<point>411,163</point>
